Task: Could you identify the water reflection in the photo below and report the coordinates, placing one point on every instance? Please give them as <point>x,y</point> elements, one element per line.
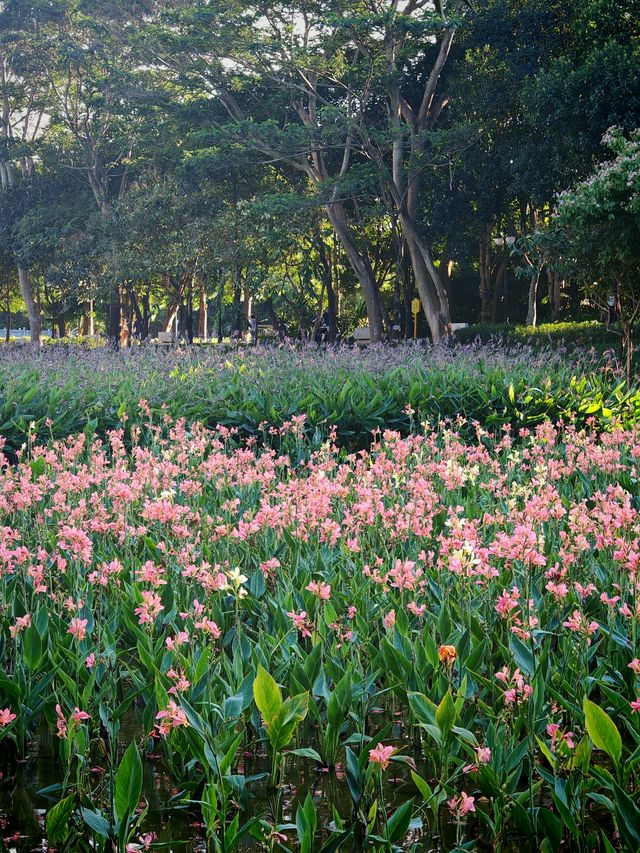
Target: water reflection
<point>23,805</point>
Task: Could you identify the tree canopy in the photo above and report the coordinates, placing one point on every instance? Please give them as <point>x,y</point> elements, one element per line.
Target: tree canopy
<point>315,165</point>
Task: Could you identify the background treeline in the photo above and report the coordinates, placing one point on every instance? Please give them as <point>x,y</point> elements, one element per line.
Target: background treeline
<point>321,163</point>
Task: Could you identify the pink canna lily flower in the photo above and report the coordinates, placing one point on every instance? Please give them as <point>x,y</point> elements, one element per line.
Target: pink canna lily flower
<point>381,755</point>
<point>462,805</point>
<point>321,589</point>
<point>78,628</point>
<point>6,717</point>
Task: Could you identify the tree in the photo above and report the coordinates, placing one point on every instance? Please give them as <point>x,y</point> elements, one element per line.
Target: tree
<point>594,234</point>
<point>23,96</point>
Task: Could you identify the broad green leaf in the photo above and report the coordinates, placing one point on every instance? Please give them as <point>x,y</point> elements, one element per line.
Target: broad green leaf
<point>128,783</point>
<point>267,695</point>
<point>306,752</point>
<point>422,708</point>
<point>523,655</point>
<point>59,819</point>
<point>446,714</point>
<point>282,726</point>
<point>97,822</point>
<point>602,730</point>
<point>399,821</point>
<point>422,786</point>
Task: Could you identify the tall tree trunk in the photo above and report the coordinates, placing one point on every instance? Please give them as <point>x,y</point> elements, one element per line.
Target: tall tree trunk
<point>32,306</point>
<point>62,325</point>
<point>202,309</point>
<point>433,295</point>
<point>146,316</point>
<point>272,317</point>
<point>497,302</point>
<point>189,312</point>
<point>485,275</point>
<point>554,283</point>
<point>532,308</point>
<point>444,272</point>
<point>332,332</point>
<point>172,312</point>
<point>361,266</point>
<point>113,327</point>
<point>122,313</point>
<point>327,261</point>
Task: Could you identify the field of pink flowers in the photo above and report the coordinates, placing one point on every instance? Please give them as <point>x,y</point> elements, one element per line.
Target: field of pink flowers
<point>443,632</point>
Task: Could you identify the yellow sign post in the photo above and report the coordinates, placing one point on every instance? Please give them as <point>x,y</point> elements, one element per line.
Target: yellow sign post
<point>415,310</point>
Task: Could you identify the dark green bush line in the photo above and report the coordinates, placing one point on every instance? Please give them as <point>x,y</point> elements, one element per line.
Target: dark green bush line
<point>584,334</point>
<point>355,393</point>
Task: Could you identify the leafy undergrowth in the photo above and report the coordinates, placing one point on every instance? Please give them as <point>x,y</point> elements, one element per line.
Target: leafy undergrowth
<point>354,393</point>
<point>207,602</point>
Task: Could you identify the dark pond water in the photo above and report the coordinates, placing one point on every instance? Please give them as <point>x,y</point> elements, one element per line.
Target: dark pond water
<point>23,806</point>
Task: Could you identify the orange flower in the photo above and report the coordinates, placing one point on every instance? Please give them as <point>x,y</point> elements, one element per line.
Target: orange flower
<point>447,655</point>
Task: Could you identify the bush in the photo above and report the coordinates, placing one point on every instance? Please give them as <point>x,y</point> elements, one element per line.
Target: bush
<point>60,392</point>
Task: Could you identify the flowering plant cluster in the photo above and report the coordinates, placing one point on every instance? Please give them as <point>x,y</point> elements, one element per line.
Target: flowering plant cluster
<point>482,594</point>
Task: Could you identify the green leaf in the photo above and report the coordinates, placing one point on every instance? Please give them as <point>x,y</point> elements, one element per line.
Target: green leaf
<point>446,714</point>
<point>267,696</point>
<point>602,730</point>
<point>32,648</point>
<point>334,844</point>
<point>291,712</point>
<point>97,822</point>
<point>422,786</point>
<point>422,708</point>
<point>38,466</point>
<point>58,820</point>
<point>399,822</point>
<point>128,783</point>
<point>628,817</point>
<point>523,655</point>
<point>306,752</point>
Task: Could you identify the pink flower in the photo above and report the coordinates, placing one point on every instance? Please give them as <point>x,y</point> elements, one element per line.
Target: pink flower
<point>577,622</point>
<point>144,843</point>
<point>79,716</point>
<point>517,689</point>
<point>78,628</point>
<point>635,706</point>
<point>381,755</point>
<point>390,620</point>
<point>172,718</point>
<point>635,666</point>
<point>209,627</point>
<point>300,622</point>
<point>322,590</point>
<point>61,723</point>
<point>90,661</point>
<point>6,717</point>
<point>483,754</point>
<point>150,608</point>
<point>558,737</point>
<point>180,639</point>
<point>462,805</point>
<point>22,622</point>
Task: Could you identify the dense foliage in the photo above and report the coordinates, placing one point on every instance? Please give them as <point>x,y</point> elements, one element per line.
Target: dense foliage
<point>354,392</point>
<point>189,165</point>
<point>458,619</point>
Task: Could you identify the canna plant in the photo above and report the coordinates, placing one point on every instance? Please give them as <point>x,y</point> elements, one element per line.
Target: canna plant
<point>281,717</point>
